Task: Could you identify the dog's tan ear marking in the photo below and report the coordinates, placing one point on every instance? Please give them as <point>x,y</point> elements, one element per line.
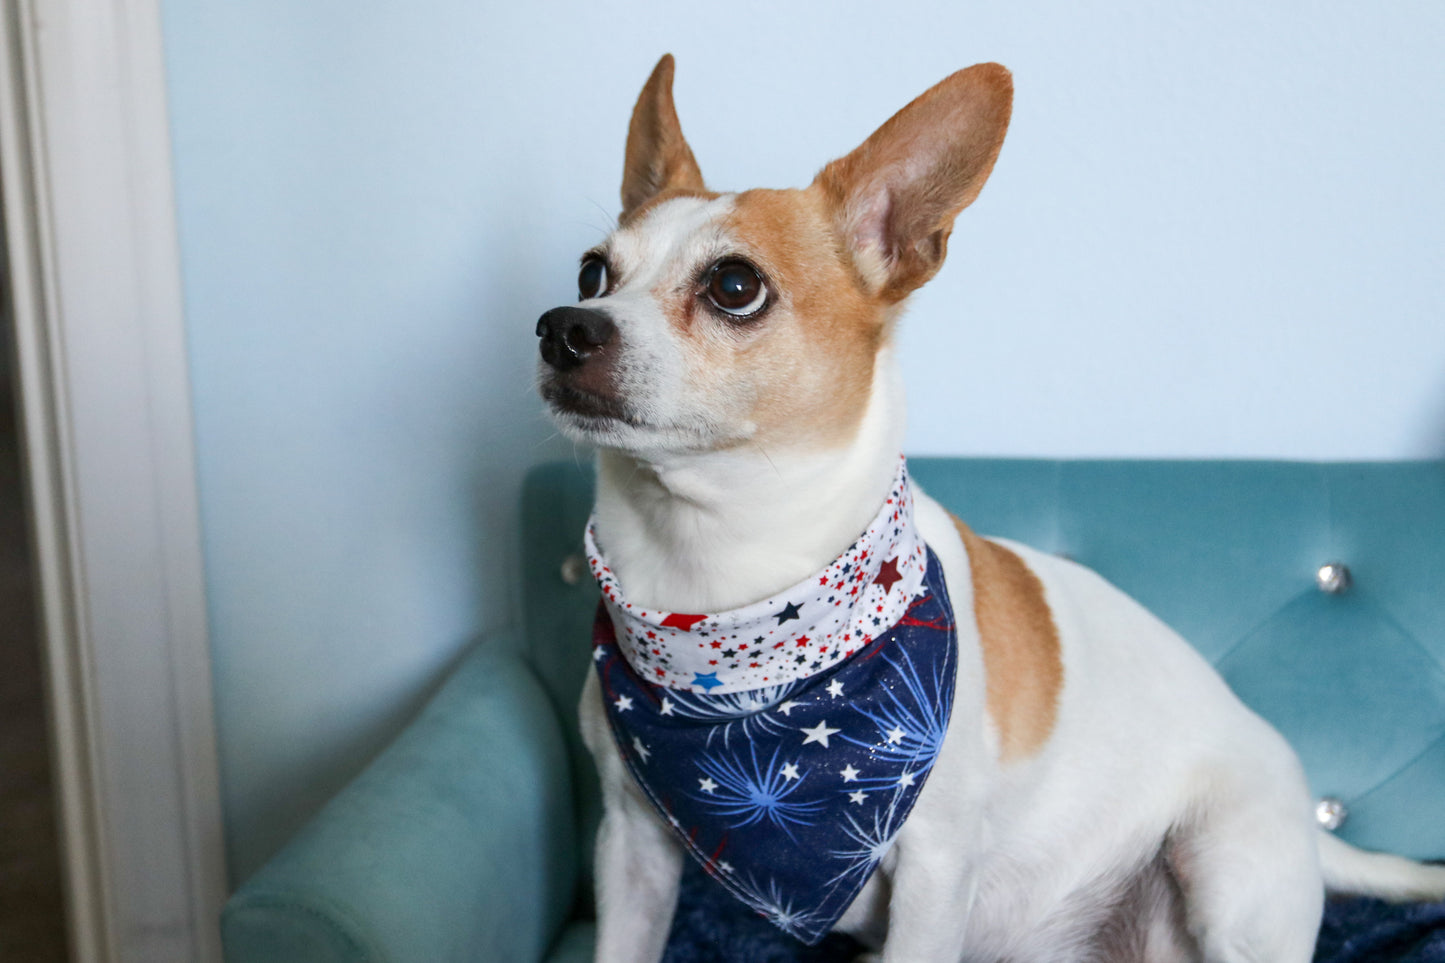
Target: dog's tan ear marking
<point>894,198</point>
<point>1020,643</point>
<point>658,158</point>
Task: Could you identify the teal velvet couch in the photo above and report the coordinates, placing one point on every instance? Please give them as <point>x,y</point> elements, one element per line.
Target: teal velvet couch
<point>469,838</point>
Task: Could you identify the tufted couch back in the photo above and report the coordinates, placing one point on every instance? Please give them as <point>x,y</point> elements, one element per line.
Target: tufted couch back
<point>1227,552</point>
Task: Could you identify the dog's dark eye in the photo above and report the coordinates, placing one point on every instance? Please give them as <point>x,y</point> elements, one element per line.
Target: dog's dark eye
<point>736,288</point>
<point>592,279</point>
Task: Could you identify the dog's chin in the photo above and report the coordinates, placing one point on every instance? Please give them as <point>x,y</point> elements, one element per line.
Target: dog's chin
<point>607,422</point>
<point>576,406</point>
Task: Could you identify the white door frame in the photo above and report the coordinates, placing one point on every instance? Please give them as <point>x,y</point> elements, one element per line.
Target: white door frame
<point>94,281</point>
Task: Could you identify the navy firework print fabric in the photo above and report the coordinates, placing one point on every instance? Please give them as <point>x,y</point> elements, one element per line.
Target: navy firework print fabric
<point>788,796</point>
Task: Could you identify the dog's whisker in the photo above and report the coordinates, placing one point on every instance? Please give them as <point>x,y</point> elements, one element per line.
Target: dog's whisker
<point>762,451</point>
<point>611,218</point>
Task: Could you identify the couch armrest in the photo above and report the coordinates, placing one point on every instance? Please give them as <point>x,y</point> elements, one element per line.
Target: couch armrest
<point>456,843</point>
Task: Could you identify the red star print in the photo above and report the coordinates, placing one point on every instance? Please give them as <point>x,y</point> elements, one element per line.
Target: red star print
<point>888,575</point>
<point>685,622</point>
<point>717,645</point>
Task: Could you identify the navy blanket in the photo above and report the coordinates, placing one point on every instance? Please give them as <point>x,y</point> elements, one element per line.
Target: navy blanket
<point>712,927</point>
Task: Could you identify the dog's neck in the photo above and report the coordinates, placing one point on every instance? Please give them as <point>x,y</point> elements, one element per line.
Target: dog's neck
<point>714,531</point>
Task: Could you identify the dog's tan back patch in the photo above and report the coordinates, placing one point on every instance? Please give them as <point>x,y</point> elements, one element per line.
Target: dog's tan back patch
<point>1020,643</point>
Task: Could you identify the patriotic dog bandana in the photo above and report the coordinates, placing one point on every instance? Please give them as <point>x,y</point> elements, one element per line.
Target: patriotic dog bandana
<point>786,742</point>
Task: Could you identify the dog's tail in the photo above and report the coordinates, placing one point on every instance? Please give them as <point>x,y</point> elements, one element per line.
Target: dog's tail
<point>1348,869</point>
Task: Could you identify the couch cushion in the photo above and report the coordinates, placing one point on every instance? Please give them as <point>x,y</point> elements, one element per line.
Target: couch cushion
<point>454,844</point>
<point>559,599</point>
<point>575,944</point>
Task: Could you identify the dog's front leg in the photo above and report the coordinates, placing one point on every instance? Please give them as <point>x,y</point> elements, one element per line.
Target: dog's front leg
<point>928,912</point>
<point>638,863</point>
<point>638,868</point>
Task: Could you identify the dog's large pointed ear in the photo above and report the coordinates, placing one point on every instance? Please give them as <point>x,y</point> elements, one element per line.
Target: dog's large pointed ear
<point>658,157</point>
<point>894,198</point>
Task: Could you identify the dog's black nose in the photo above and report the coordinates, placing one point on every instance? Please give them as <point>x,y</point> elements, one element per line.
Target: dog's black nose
<point>570,335</point>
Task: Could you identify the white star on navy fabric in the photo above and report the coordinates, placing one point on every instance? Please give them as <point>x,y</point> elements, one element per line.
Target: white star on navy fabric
<point>789,771</point>
<point>623,703</point>
<point>835,688</point>
<point>819,733</point>
<point>598,652</point>
<point>906,779</point>
<point>642,750</point>
<point>849,774</point>
<point>666,706</point>
<point>895,736</point>
<point>707,785</point>
<point>787,707</point>
<point>857,797</point>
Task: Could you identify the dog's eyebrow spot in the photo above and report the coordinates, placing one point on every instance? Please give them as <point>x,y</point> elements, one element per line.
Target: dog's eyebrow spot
<point>1020,643</point>
<point>633,217</point>
<point>667,231</point>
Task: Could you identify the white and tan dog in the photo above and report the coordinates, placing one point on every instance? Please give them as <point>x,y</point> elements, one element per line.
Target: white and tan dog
<point>1101,794</point>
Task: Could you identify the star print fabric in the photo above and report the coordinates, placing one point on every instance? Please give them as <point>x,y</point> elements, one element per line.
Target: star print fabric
<point>812,626</point>
<point>789,795</point>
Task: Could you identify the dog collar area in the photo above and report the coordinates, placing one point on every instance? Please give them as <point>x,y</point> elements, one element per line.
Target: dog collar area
<point>789,796</point>
<point>802,631</point>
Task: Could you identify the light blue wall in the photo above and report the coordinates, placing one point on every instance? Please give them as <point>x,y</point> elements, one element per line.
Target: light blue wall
<point>1216,229</point>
